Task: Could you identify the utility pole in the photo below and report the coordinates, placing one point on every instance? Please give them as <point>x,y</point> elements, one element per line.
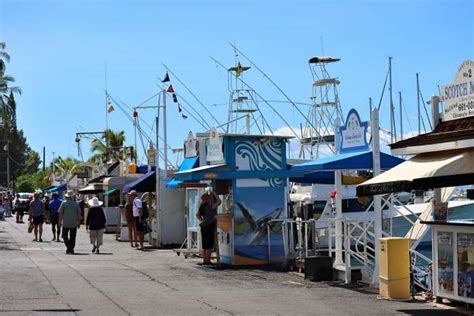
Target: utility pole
<point>7,148</point>
<point>44,158</point>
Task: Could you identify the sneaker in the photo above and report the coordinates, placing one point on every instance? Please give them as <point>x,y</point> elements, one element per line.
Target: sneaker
<point>54,238</point>
<point>94,249</point>
<point>41,240</point>
<point>97,250</point>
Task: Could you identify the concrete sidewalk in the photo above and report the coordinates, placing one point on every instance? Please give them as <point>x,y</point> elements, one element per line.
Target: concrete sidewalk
<point>39,278</point>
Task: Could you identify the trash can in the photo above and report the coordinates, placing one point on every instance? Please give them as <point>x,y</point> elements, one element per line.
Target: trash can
<point>394,268</point>
<point>318,268</point>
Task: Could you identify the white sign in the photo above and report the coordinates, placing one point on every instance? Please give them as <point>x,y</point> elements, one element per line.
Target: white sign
<point>151,155</point>
<point>190,149</point>
<point>214,147</point>
<point>353,134</point>
<point>458,97</point>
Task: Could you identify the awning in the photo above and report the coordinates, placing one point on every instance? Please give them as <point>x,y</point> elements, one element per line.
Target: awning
<point>187,164</point>
<point>209,172</point>
<point>91,189</point>
<point>424,171</point>
<point>348,161</point>
<point>111,191</point>
<point>62,187</point>
<point>146,183</point>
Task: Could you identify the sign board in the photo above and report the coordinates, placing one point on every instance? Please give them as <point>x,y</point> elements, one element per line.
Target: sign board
<point>458,97</point>
<point>353,134</point>
<point>190,146</point>
<point>151,156</point>
<point>214,147</point>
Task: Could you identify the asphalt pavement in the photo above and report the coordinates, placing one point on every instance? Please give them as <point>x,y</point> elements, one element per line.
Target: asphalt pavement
<point>39,278</point>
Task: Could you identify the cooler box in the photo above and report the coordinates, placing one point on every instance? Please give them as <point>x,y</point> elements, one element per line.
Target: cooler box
<point>318,268</point>
<point>394,268</point>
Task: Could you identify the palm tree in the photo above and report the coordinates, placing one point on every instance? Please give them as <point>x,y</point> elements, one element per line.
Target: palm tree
<point>110,146</point>
<point>5,79</point>
<point>67,168</point>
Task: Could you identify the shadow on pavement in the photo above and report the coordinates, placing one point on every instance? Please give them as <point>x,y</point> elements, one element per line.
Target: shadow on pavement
<point>430,312</point>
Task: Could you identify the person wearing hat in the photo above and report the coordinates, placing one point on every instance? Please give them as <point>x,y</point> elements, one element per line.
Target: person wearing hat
<point>137,209</point>
<point>70,220</point>
<point>95,223</point>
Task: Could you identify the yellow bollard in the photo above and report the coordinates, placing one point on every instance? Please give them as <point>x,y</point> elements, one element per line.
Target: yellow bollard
<point>394,268</point>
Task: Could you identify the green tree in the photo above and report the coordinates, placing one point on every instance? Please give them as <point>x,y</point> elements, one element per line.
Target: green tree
<point>32,182</point>
<point>67,168</point>
<point>114,150</point>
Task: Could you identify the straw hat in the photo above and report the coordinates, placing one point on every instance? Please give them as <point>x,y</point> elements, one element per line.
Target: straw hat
<point>94,202</point>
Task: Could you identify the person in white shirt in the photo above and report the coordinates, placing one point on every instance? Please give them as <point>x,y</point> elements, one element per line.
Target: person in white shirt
<point>138,217</point>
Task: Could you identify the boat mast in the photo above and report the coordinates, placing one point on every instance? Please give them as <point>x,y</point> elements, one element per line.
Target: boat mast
<point>418,102</point>
<point>325,109</point>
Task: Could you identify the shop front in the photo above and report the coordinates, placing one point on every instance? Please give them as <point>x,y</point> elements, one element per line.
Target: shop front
<point>250,174</point>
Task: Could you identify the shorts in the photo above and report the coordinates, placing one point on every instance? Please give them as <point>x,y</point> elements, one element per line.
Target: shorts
<point>208,235</point>
<point>38,220</point>
<point>138,224</point>
<point>54,218</point>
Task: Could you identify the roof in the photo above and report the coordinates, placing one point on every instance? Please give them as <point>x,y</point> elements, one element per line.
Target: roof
<point>444,132</point>
<point>348,161</point>
<point>424,171</point>
<point>98,179</point>
<point>206,134</point>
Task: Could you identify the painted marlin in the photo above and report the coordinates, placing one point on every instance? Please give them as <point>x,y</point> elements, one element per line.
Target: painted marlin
<point>258,227</point>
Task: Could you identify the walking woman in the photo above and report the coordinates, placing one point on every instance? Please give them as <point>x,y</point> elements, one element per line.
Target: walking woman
<point>95,223</point>
<point>207,215</point>
<point>128,210</point>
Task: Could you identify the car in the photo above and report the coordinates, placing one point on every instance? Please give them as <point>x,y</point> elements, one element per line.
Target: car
<point>24,198</point>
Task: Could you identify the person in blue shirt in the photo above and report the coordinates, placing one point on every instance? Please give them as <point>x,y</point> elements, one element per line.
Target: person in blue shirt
<point>54,205</point>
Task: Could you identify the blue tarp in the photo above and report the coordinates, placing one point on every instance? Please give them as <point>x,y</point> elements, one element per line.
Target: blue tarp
<point>348,161</point>
<point>322,177</point>
<point>187,164</point>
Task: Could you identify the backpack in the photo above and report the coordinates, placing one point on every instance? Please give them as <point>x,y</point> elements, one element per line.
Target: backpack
<point>145,213</point>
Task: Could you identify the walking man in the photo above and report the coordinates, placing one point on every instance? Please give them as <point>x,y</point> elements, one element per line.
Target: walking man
<point>37,216</point>
<point>137,209</point>
<point>70,220</point>
<point>54,205</point>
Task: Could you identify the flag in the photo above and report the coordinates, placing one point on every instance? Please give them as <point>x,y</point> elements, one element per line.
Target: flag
<point>238,70</point>
<point>167,78</point>
<point>175,98</point>
<point>135,114</point>
<point>170,89</point>
<point>184,116</point>
<point>111,109</point>
<point>179,108</point>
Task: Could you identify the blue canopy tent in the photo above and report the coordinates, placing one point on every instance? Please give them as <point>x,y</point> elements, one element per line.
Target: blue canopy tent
<point>59,188</point>
<point>187,164</point>
<point>147,182</point>
<point>348,161</point>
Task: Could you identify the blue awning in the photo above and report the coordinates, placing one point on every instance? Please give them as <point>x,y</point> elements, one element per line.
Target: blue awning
<point>146,183</point>
<point>62,187</point>
<point>348,161</point>
<point>187,164</point>
<point>321,177</point>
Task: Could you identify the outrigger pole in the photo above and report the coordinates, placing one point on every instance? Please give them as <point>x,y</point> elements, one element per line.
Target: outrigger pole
<point>282,92</point>
<point>274,110</point>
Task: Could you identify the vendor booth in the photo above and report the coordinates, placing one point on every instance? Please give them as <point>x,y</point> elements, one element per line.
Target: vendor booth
<point>453,260</point>
<point>113,196</point>
<point>250,174</point>
<point>170,230</point>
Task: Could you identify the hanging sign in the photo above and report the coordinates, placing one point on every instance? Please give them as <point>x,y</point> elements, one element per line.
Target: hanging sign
<point>214,147</point>
<point>151,156</point>
<point>353,134</point>
<point>458,97</point>
<point>190,146</point>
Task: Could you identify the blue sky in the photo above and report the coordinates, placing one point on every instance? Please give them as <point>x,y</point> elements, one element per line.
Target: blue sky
<point>59,49</point>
